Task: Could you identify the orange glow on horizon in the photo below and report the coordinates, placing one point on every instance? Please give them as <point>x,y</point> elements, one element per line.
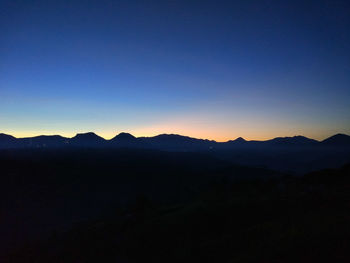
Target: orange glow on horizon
<point>151,131</point>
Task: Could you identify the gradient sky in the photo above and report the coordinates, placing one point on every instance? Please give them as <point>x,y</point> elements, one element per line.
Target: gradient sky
<point>206,69</point>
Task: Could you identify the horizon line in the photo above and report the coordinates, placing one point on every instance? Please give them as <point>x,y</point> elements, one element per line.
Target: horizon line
<point>169,134</point>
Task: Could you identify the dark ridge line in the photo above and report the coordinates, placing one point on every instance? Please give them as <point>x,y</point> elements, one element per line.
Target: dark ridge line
<point>128,136</point>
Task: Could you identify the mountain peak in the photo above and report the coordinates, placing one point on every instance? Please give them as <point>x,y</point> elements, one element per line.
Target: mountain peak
<point>87,139</point>
<point>124,136</point>
<point>337,139</point>
<point>86,135</point>
<point>238,140</point>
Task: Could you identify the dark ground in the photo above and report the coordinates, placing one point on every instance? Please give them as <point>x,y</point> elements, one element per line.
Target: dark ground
<point>97,205</point>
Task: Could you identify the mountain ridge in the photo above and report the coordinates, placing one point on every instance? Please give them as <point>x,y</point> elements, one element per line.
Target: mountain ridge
<point>171,141</point>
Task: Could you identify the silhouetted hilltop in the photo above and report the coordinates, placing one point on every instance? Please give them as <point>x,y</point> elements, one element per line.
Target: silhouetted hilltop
<point>172,138</point>
<point>124,139</point>
<point>124,136</point>
<point>295,140</point>
<point>337,140</point>
<point>44,141</point>
<point>6,137</point>
<point>7,141</point>
<point>175,142</point>
<point>88,139</point>
<point>238,141</point>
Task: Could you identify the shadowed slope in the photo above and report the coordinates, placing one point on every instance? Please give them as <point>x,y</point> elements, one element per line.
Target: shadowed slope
<point>295,140</point>
<point>7,141</point>
<point>124,139</point>
<point>338,140</point>
<point>89,139</point>
<point>44,141</point>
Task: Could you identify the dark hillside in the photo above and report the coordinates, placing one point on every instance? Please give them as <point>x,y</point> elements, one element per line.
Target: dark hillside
<point>90,205</point>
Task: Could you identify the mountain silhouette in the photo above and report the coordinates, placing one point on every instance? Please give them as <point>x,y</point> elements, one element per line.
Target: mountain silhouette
<point>176,142</point>
<point>43,141</point>
<point>88,139</point>
<point>237,141</point>
<point>240,140</point>
<point>7,141</point>
<point>169,142</point>
<point>124,136</point>
<point>337,140</point>
<point>124,139</point>
<point>295,140</point>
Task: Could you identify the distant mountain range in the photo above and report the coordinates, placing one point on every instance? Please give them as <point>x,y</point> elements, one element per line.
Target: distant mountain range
<point>169,142</point>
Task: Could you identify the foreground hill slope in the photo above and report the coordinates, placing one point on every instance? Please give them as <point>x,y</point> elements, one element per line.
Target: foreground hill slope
<point>44,190</point>
<point>179,212</point>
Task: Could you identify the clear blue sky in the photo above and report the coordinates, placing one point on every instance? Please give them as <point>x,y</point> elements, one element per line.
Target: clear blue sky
<point>208,69</point>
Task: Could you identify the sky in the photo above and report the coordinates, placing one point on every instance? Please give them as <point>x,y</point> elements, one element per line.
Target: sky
<point>205,69</point>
